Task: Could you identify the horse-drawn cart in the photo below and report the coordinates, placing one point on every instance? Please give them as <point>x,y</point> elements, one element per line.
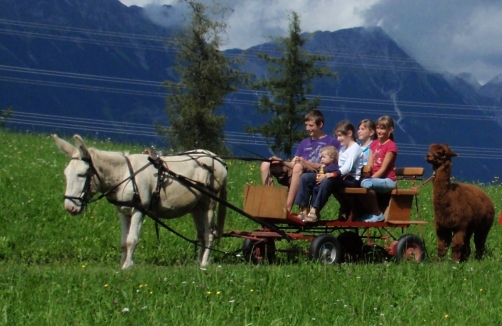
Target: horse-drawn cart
<point>334,241</point>
<point>166,187</point>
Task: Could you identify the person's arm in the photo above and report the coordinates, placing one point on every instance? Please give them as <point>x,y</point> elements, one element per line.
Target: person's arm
<point>304,162</point>
<point>353,152</point>
<point>389,157</point>
<point>278,160</point>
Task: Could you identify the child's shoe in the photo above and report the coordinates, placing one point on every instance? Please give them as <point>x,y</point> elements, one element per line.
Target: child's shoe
<point>375,218</point>
<point>312,217</point>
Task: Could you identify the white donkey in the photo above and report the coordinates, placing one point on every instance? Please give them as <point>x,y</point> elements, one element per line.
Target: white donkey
<point>135,186</point>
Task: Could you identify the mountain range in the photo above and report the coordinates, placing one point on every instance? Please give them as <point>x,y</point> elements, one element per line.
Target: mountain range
<point>96,67</point>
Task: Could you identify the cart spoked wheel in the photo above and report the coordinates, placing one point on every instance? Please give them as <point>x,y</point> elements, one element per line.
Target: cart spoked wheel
<point>257,251</point>
<point>326,249</point>
<point>352,246</point>
<point>375,254</point>
<point>410,248</point>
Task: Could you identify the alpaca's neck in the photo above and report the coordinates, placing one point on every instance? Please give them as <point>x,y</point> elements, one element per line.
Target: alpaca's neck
<point>442,180</point>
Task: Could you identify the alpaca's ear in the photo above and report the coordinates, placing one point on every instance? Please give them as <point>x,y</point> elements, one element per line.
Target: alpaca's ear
<point>449,152</point>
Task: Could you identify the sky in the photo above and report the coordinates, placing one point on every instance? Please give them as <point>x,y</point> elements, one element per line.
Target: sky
<point>442,35</point>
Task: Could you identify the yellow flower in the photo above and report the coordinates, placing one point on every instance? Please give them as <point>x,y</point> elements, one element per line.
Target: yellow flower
<point>480,290</point>
<point>106,285</point>
<point>218,293</point>
<point>251,290</point>
<point>83,266</point>
<point>446,316</point>
<point>208,292</point>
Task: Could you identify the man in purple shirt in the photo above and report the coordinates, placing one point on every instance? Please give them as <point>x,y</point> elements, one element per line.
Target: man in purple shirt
<point>307,158</point>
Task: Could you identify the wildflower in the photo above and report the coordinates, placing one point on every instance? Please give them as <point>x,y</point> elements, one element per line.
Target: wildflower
<point>218,293</point>
<point>208,292</point>
<point>231,301</point>
<point>83,266</point>
<point>251,290</point>
<point>480,290</point>
<point>446,316</point>
<point>125,310</point>
<point>106,285</point>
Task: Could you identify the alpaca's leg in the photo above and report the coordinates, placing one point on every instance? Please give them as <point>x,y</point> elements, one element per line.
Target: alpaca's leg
<point>444,241</point>
<point>466,253</point>
<point>458,246</point>
<point>480,241</point>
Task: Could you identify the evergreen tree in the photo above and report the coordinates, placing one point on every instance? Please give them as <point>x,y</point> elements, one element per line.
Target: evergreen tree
<point>205,77</point>
<point>287,86</point>
<point>4,114</point>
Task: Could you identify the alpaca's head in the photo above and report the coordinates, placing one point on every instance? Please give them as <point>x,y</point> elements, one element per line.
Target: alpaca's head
<point>439,155</point>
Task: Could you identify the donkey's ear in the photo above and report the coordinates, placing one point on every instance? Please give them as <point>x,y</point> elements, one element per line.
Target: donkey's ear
<point>64,146</point>
<point>79,142</point>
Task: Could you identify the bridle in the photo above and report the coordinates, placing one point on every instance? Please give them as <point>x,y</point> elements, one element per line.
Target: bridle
<point>91,171</point>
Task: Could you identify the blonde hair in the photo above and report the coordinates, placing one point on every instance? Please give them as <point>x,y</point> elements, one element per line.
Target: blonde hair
<point>331,151</point>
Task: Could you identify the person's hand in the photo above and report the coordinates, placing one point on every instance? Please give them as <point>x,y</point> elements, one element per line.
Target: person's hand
<point>275,159</point>
<point>298,159</point>
<point>319,178</point>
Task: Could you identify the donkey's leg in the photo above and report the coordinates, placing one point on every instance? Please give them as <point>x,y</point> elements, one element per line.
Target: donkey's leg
<point>204,223</point>
<point>132,238</point>
<point>125,223</point>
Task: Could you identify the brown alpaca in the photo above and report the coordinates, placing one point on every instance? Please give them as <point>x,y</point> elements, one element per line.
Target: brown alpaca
<point>460,210</point>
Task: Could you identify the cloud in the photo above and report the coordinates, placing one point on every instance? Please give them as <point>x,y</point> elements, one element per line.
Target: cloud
<point>456,36</point>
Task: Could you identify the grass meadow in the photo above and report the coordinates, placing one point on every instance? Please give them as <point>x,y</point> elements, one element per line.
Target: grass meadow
<point>56,269</point>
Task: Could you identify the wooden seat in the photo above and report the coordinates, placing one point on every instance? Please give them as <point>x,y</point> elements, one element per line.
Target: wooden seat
<point>399,207</point>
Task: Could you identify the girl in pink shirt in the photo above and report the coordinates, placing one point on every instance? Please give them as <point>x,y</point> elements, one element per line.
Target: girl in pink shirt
<point>382,159</point>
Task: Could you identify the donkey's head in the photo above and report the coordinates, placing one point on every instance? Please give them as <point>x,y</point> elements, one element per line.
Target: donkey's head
<point>439,156</point>
<point>79,174</point>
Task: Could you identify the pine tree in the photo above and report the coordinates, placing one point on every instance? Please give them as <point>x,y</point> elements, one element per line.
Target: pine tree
<point>287,86</point>
<point>4,114</point>
<point>205,77</point>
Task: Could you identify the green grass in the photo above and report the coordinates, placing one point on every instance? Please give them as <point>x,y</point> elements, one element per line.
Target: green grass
<point>56,269</point>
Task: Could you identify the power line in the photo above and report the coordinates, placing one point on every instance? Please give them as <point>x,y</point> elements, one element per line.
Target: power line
<point>231,137</point>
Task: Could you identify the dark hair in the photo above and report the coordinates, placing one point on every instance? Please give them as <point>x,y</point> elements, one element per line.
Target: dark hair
<point>370,125</point>
<point>344,127</point>
<point>387,122</point>
<point>315,115</point>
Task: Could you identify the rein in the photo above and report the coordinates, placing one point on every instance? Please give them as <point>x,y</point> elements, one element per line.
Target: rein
<point>433,175</point>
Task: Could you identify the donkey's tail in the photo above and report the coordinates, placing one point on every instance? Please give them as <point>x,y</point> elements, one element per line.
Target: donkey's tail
<point>222,212</point>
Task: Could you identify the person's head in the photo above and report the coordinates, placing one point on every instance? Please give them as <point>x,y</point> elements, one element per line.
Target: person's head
<point>314,121</point>
<point>345,133</point>
<point>366,130</point>
<point>329,154</point>
<point>385,128</point>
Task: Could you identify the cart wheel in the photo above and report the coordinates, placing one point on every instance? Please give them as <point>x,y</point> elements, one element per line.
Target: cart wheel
<point>374,254</point>
<point>352,246</point>
<point>326,249</point>
<point>410,247</point>
<point>255,251</point>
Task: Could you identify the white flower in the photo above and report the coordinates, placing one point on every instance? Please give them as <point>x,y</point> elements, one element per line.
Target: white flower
<point>125,309</point>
